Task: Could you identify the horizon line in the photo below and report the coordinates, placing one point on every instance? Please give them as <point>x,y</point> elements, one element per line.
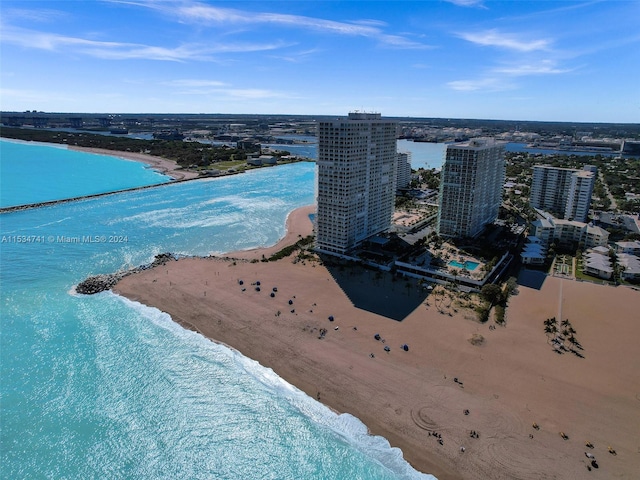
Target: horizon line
<point>35,112</point>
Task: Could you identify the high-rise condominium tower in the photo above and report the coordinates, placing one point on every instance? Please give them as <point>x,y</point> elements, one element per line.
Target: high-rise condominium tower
<point>403,170</point>
<point>470,187</point>
<point>356,180</point>
<point>565,192</point>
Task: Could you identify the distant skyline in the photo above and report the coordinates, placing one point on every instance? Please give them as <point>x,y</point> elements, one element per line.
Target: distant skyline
<point>575,61</point>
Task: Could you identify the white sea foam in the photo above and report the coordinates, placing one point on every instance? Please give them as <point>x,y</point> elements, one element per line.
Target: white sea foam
<point>346,426</point>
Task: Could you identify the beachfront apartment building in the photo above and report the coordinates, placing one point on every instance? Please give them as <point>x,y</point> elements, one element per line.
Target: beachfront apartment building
<point>597,261</point>
<point>568,233</point>
<point>632,248</point>
<point>564,192</point>
<point>471,187</point>
<point>356,181</point>
<point>403,170</point>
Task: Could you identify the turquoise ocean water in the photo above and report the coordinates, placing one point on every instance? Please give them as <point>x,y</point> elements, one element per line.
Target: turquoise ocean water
<point>102,387</point>
<point>32,172</point>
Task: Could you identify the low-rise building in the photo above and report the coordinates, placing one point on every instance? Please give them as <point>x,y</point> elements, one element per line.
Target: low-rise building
<point>629,266</point>
<point>259,160</point>
<point>632,248</point>
<point>595,262</point>
<point>248,144</point>
<point>569,233</point>
<point>534,252</point>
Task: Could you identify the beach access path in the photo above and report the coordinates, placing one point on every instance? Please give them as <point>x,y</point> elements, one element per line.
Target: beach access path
<point>444,387</point>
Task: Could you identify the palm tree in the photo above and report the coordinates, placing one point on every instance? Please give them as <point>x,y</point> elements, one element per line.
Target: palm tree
<point>548,330</point>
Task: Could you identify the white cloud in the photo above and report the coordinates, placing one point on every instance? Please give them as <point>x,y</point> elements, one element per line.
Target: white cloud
<point>468,3</point>
<point>45,15</point>
<point>297,57</point>
<point>194,83</point>
<point>219,89</point>
<point>493,38</point>
<point>545,67</point>
<point>125,51</point>
<point>200,13</point>
<point>491,84</point>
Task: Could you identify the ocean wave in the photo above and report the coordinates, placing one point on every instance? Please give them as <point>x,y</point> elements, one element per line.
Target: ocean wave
<point>344,425</point>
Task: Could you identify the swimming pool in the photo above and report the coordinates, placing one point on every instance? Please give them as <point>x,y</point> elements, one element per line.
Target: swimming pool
<point>468,265</point>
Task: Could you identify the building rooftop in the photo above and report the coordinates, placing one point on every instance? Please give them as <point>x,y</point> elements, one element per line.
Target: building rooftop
<point>631,263</point>
<point>598,262</point>
<point>364,116</point>
<point>477,143</point>
<point>542,222</point>
<point>602,250</point>
<point>633,245</point>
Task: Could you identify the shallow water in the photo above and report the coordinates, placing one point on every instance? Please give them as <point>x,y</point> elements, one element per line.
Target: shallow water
<point>35,172</point>
<point>101,387</point>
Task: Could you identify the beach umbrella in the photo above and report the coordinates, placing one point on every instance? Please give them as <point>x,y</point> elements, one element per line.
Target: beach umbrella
<point>405,347</point>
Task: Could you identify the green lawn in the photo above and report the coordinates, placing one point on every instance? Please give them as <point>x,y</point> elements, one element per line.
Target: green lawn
<point>230,164</point>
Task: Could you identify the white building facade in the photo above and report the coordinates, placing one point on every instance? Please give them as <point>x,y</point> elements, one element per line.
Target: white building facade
<point>403,170</point>
<point>471,187</point>
<point>565,192</point>
<point>569,233</point>
<point>356,186</point>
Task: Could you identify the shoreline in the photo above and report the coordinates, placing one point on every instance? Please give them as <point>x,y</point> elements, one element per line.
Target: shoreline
<point>512,380</point>
<point>162,165</point>
<point>297,225</point>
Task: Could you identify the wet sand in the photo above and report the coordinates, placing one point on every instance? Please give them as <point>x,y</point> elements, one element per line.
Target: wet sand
<point>444,384</point>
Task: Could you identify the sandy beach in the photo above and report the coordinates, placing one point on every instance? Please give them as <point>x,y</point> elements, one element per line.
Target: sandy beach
<point>444,387</point>
<point>163,165</point>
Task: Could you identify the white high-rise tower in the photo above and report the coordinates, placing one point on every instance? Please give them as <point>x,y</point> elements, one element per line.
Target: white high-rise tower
<point>471,187</point>
<point>356,180</point>
<point>565,192</point>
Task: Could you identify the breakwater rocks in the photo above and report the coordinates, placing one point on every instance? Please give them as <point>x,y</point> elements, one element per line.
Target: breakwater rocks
<point>100,283</point>
<point>29,206</point>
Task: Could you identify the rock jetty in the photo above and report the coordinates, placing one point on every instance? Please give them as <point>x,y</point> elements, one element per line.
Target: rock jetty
<point>100,283</point>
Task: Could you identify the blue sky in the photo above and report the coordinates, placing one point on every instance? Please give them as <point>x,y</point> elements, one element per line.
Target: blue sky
<point>517,60</point>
